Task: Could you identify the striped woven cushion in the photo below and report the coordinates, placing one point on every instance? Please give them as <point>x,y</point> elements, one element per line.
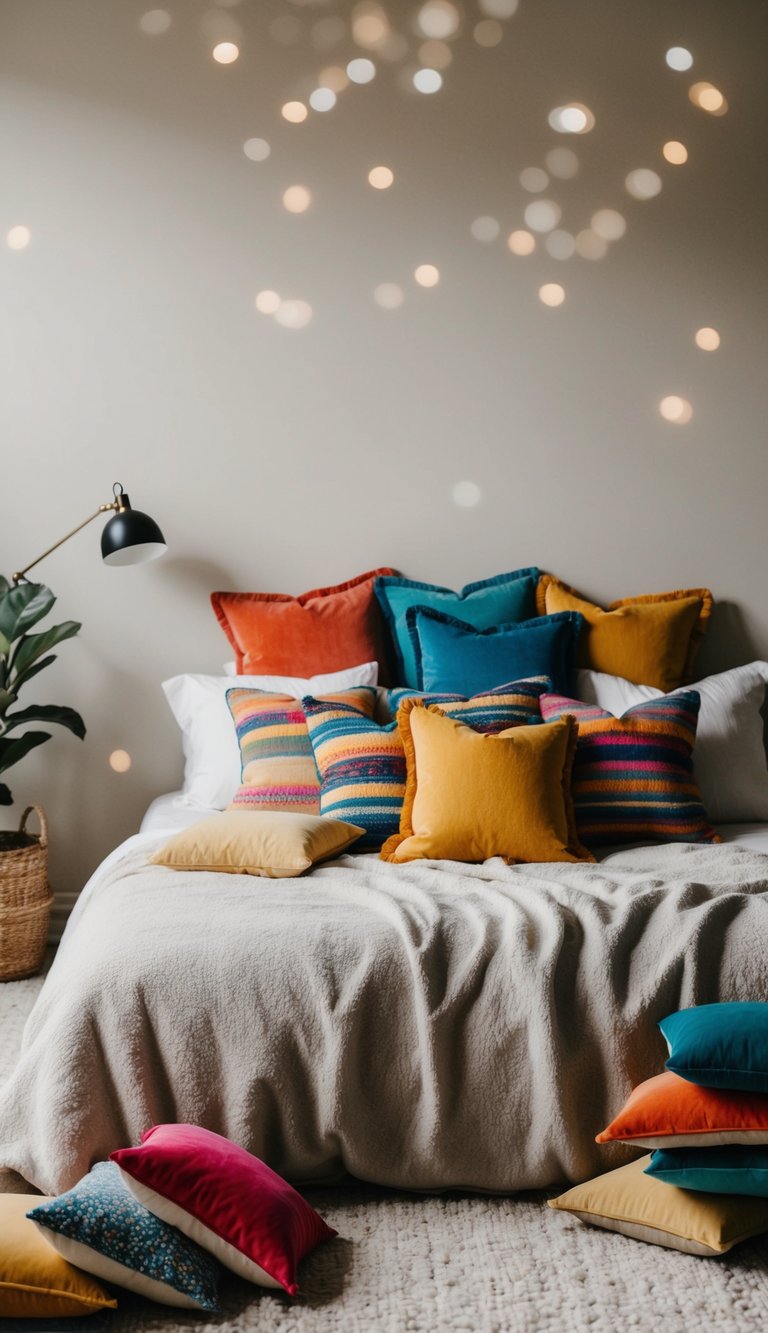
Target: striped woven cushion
<point>513,705</point>
<point>278,767</point>
<point>633,778</point>
<point>361,768</point>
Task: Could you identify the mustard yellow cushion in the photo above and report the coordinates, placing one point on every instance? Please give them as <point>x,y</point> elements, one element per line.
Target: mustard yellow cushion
<point>243,842</point>
<point>469,796</point>
<point>637,1205</point>
<point>35,1282</point>
<point>650,640</point>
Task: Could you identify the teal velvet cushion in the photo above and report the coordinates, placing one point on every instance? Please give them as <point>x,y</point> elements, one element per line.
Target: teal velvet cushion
<point>101,1228</point>
<point>733,1169</point>
<point>720,1045</point>
<point>454,657</point>
<point>501,600</point>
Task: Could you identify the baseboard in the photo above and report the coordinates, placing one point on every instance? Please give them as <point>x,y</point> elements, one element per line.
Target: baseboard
<point>62,906</point>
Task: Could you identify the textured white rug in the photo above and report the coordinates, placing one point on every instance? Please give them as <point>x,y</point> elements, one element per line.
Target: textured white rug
<point>410,1264</point>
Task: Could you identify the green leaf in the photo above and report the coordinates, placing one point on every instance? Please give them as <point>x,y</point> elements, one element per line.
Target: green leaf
<point>22,606</point>
<point>4,585</point>
<point>5,795</point>
<point>11,752</point>
<point>65,717</point>
<point>5,645</point>
<point>32,646</point>
<point>23,676</point>
<point>7,697</point>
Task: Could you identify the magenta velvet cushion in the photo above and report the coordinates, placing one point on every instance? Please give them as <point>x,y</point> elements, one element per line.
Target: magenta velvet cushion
<point>228,1201</point>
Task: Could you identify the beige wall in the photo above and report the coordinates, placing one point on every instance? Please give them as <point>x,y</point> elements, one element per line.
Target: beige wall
<point>279,459</point>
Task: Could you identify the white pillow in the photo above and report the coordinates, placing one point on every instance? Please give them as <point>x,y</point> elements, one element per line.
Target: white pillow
<point>209,740</point>
<point>729,756</point>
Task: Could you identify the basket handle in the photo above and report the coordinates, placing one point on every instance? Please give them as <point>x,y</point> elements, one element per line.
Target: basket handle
<point>37,810</point>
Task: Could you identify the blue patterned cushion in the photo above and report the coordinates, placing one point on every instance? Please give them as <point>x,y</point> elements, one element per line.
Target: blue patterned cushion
<point>515,704</point>
<point>361,767</point>
<point>100,1227</point>
<point>452,656</point>
<point>495,601</point>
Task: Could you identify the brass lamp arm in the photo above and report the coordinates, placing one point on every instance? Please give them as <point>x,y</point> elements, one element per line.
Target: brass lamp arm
<point>102,509</point>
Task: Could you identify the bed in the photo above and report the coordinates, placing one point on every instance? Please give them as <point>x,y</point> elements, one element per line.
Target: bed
<point>428,1026</point>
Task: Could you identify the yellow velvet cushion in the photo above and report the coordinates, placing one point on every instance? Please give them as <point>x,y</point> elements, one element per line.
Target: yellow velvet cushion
<point>35,1282</point>
<point>650,640</point>
<point>240,842</point>
<point>637,1205</point>
<point>469,796</point>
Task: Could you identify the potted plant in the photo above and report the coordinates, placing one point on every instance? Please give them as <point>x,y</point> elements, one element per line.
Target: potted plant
<point>25,901</point>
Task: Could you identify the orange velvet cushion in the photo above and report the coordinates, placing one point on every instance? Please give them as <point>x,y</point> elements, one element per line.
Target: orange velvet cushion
<point>649,640</point>
<point>669,1112</point>
<point>326,629</point>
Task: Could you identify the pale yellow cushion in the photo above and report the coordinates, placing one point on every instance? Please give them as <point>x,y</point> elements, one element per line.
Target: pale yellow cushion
<point>469,796</point>
<point>244,842</point>
<point>35,1282</point>
<point>650,640</point>
<point>647,1209</point>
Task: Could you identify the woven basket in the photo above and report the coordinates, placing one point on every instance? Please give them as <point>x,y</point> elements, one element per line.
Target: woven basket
<point>25,899</point>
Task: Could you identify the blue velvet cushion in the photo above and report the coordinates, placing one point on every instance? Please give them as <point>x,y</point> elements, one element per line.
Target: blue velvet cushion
<point>453,656</point>
<point>732,1169</point>
<point>501,600</point>
<point>720,1045</point>
<point>100,1227</point>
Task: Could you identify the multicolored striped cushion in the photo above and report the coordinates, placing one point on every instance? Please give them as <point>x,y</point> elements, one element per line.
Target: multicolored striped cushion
<point>278,767</point>
<point>513,705</point>
<point>361,768</point>
<point>633,778</point>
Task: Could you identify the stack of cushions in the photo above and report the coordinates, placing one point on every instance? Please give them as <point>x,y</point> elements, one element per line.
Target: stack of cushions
<point>471,795</point>
<point>158,1220</point>
<point>706,1119</point>
<point>278,769</point>
<point>503,599</point>
<point>633,776</point>
<point>322,630</point>
<point>651,640</point>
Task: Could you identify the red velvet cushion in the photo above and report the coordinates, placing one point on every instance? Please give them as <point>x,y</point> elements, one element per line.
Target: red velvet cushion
<point>326,629</point>
<point>222,1196</point>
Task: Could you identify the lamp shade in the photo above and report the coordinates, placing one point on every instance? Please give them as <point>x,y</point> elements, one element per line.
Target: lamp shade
<point>130,537</point>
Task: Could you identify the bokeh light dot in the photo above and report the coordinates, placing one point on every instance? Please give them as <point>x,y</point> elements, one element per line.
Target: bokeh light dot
<point>294,112</point>
<point>293,314</point>
<point>560,244</point>
<point>675,152</point>
<point>563,163</point>
<point>155,22</point>
<point>678,58</point>
<point>322,99</point>
<point>225,53</point>
<point>389,295</point>
<point>534,179</point>
<point>488,33</point>
<point>297,199</point>
<point>575,118</point>
<point>466,494</point>
<point>18,238</point>
<point>258,150</point>
<point>427,81</point>
<point>708,98</point>
<point>427,275</point>
<point>521,242</point>
<point>361,70</point>
<point>642,183</point>
<point>591,246</point>
<point>381,177</point>
<point>335,78</point>
<point>267,302</point>
<point>609,224</point>
<point>542,214</point>
<point>120,761</point>
<point>438,18</point>
<point>485,229</point>
<point>435,54</point>
<point>370,25</point>
<point>551,294</point>
<point>676,410</point>
<point>707,339</point>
